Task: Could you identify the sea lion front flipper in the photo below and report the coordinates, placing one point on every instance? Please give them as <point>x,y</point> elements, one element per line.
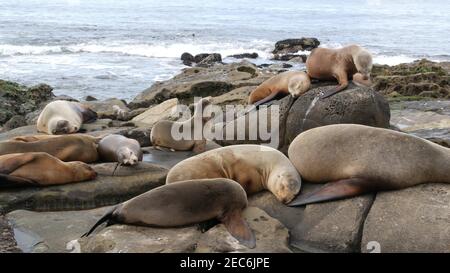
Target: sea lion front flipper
<point>239,229</point>
<point>9,165</point>
<point>340,189</point>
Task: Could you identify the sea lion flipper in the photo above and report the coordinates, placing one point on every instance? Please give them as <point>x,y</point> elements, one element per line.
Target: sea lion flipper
<point>107,217</point>
<point>9,165</point>
<point>239,229</point>
<point>9,181</point>
<point>334,191</point>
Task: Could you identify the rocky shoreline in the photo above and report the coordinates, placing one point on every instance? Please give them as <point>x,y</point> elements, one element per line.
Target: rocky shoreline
<point>414,98</point>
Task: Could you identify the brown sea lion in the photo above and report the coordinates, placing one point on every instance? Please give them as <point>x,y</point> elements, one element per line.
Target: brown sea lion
<point>340,64</point>
<point>64,117</point>
<point>289,82</point>
<point>357,159</point>
<point>186,203</point>
<point>75,147</point>
<point>161,133</point>
<point>117,148</point>
<point>41,169</point>
<point>255,167</point>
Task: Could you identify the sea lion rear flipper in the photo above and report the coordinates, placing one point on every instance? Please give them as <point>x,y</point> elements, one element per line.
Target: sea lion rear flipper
<point>266,99</point>
<point>9,165</point>
<point>107,217</point>
<point>239,229</point>
<point>335,191</point>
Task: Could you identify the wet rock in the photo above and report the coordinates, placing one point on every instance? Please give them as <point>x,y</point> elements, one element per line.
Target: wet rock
<point>162,111</point>
<point>295,45</point>
<point>253,55</point>
<point>210,57</point>
<point>209,60</point>
<point>415,219</point>
<point>354,105</point>
<point>104,190</point>
<point>105,108</point>
<point>290,57</point>
<point>187,58</point>
<point>270,234</point>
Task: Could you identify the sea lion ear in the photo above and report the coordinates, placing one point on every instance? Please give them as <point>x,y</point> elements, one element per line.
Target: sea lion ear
<point>239,229</point>
<point>9,165</point>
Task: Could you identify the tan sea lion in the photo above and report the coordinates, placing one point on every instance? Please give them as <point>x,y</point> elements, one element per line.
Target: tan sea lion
<point>357,159</point>
<point>255,167</point>
<point>161,133</point>
<point>289,82</point>
<point>64,117</point>
<point>117,148</point>
<point>360,80</point>
<point>340,64</point>
<point>75,147</point>
<point>186,203</point>
<point>41,169</point>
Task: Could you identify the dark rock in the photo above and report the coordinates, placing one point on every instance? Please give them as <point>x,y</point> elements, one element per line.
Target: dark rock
<point>200,57</point>
<point>353,105</point>
<point>295,45</point>
<point>209,60</point>
<point>289,57</point>
<point>142,135</point>
<point>253,55</point>
<point>187,58</point>
<point>90,98</point>
<point>15,122</point>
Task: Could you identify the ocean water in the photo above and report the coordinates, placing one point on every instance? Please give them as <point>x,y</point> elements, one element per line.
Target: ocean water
<point>112,48</point>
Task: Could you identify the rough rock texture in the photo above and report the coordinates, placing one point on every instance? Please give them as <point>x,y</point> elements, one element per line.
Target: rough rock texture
<point>415,219</point>
<point>271,236</point>
<point>17,99</point>
<point>421,78</point>
<point>7,242</point>
<point>15,122</point>
<point>253,55</point>
<point>327,227</point>
<point>295,45</point>
<point>165,110</point>
<point>353,105</point>
<point>104,190</point>
<point>104,108</point>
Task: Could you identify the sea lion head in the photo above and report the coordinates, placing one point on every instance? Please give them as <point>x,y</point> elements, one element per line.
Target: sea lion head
<point>62,126</point>
<point>363,63</point>
<point>82,171</point>
<point>299,85</point>
<point>126,156</point>
<point>284,185</point>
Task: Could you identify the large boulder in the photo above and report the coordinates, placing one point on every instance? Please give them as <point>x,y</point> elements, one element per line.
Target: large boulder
<point>295,45</point>
<point>106,189</point>
<point>162,111</point>
<point>354,105</point>
<point>415,219</point>
<point>271,236</point>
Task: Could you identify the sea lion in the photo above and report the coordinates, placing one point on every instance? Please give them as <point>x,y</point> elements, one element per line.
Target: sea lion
<point>117,148</point>
<point>161,133</point>
<point>357,159</point>
<point>360,80</point>
<point>255,167</point>
<point>289,82</point>
<point>41,169</point>
<point>340,64</point>
<point>186,203</point>
<point>75,147</point>
<point>64,117</point>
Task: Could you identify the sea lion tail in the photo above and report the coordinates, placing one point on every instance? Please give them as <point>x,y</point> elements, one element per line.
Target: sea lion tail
<point>107,217</point>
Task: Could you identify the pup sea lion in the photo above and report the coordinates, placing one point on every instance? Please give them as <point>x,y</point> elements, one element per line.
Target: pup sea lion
<point>356,159</point>
<point>161,134</point>
<point>117,148</point>
<point>339,64</point>
<point>64,117</point>
<point>41,169</point>
<point>289,82</point>
<point>186,203</point>
<point>76,147</point>
<point>255,167</point>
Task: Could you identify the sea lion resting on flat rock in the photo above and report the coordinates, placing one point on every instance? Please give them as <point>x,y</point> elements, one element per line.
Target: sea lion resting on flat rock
<point>186,203</point>
<point>41,169</point>
<point>117,148</point>
<point>75,147</point>
<point>161,133</point>
<point>255,167</point>
<point>340,64</point>
<point>357,159</point>
<point>289,82</point>
<point>64,117</point>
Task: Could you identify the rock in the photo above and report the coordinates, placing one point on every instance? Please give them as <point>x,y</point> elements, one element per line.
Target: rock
<point>104,190</point>
<point>21,131</point>
<point>210,60</point>
<point>165,110</point>
<point>198,82</point>
<point>290,57</point>
<point>97,125</point>
<point>420,79</point>
<point>353,105</point>
<point>187,58</point>
<point>270,234</point>
<point>410,116</point>
<point>295,45</point>
<point>105,108</point>
<point>142,135</point>
<point>15,122</point>
<point>299,59</point>
<point>7,242</point>
<point>438,136</point>
<point>415,219</point>
<point>212,57</point>
<point>17,99</point>
<point>90,98</point>
<point>234,97</point>
<point>253,55</point>
<point>327,227</point>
